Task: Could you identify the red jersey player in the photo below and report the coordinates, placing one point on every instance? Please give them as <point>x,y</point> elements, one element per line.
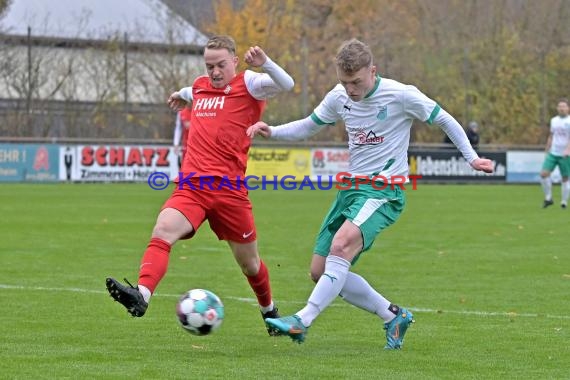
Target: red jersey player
<point>181,133</point>
<point>224,105</point>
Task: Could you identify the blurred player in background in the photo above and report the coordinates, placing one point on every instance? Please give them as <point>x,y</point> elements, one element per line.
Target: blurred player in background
<point>378,115</point>
<point>181,133</point>
<point>557,152</point>
<point>224,104</point>
<point>472,135</point>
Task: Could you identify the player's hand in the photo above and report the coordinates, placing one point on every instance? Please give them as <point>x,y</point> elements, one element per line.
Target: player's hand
<point>255,56</point>
<point>260,128</point>
<point>482,164</point>
<point>175,101</point>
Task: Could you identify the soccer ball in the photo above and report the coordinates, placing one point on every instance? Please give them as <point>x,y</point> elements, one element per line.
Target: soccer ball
<point>200,311</point>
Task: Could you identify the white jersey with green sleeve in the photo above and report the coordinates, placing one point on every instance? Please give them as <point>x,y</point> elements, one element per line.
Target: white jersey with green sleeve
<point>379,125</point>
<point>560,129</point>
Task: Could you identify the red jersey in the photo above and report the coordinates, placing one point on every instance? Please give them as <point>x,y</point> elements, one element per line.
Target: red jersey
<point>217,144</point>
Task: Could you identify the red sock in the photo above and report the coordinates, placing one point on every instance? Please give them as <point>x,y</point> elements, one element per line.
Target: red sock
<point>260,285</point>
<point>154,263</point>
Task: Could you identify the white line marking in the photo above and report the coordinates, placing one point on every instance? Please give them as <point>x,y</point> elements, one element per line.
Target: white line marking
<point>253,302</point>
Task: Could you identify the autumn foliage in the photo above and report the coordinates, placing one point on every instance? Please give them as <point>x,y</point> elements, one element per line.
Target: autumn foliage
<point>503,63</point>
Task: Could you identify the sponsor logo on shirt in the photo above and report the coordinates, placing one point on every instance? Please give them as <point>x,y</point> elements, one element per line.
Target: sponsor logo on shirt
<point>370,138</point>
<point>206,107</point>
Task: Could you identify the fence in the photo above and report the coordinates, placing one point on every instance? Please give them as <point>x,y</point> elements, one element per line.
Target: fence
<point>50,119</point>
<point>66,87</point>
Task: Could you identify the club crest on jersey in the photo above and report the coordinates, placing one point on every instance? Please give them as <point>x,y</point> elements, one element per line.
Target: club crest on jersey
<point>227,89</point>
<point>382,113</point>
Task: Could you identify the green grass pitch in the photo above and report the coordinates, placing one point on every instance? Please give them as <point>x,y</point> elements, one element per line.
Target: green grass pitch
<point>485,270</point>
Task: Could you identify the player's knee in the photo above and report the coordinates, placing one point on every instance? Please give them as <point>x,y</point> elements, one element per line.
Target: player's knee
<point>165,230</point>
<point>249,261</point>
<point>340,248</point>
<point>250,268</point>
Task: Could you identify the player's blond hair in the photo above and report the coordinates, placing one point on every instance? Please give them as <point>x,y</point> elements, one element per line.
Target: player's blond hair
<point>222,42</point>
<point>353,55</point>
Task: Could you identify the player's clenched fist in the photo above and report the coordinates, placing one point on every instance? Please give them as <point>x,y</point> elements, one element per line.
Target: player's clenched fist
<point>259,128</point>
<point>175,101</point>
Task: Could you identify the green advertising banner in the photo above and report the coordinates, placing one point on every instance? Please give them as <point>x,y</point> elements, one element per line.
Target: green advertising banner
<point>29,162</point>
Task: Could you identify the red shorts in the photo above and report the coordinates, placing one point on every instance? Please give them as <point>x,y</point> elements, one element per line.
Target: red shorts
<point>228,210</point>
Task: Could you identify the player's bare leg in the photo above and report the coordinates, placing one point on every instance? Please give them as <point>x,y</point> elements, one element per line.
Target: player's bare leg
<point>254,269</point>
<point>170,226</point>
<point>358,292</point>
<point>346,244</point>
<point>546,183</point>
<point>565,188</point>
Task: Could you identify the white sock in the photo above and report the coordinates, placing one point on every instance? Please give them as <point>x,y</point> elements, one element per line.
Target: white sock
<point>358,292</point>
<point>145,292</point>
<point>547,188</point>
<point>265,309</point>
<point>565,191</point>
<point>326,290</point>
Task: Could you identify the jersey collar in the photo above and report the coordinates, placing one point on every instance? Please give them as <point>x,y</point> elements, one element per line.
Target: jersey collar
<point>376,84</point>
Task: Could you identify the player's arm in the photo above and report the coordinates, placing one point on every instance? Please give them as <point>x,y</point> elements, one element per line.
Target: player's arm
<point>325,114</point>
<point>295,130</point>
<point>180,99</point>
<point>419,106</point>
<point>177,133</point>
<point>459,138</point>
<point>549,140</point>
<point>268,84</point>
<point>548,143</point>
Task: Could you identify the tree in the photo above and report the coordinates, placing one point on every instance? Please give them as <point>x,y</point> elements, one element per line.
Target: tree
<point>502,63</point>
<point>4,5</point>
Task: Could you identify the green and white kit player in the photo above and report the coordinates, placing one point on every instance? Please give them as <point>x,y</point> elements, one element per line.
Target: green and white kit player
<point>557,152</point>
<point>378,115</point>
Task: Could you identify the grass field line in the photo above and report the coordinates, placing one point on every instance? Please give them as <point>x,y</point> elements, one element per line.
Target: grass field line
<point>253,301</point>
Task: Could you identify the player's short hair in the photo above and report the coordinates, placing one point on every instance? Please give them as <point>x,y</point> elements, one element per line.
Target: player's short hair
<point>564,100</point>
<point>222,42</point>
<point>353,55</point>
